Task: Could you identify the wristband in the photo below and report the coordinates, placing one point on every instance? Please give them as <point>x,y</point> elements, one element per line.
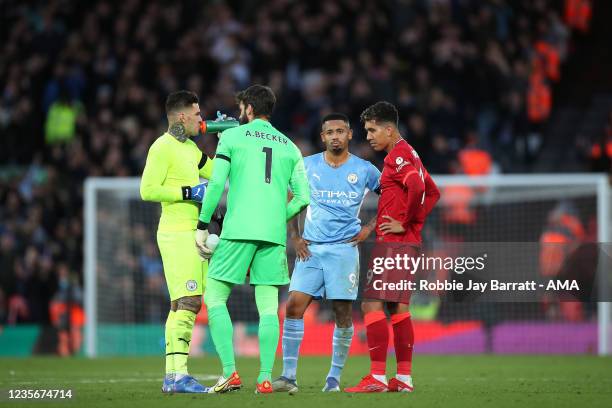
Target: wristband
<point>186,191</point>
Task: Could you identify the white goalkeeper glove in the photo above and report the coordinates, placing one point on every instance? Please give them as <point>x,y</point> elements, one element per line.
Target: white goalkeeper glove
<point>200,240</point>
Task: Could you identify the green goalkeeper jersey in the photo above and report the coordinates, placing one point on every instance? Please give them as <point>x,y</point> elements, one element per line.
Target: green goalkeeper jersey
<point>172,164</point>
<point>262,165</point>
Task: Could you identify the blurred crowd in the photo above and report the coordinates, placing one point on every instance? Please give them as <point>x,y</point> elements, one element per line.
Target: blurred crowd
<point>82,86</point>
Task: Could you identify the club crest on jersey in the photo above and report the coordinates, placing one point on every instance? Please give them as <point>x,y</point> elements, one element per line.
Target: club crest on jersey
<point>352,178</point>
<point>401,163</point>
<point>191,285</point>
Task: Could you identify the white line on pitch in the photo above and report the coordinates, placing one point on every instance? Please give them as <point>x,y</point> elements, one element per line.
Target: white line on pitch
<point>202,377</point>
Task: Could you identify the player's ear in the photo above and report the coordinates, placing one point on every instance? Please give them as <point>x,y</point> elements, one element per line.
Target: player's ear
<point>350,134</point>
<point>389,130</point>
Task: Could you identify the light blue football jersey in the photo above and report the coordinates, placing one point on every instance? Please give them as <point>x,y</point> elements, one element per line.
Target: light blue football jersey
<point>336,195</point>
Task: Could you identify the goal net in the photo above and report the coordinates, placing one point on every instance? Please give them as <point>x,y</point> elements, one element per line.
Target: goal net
<point>127,302</point>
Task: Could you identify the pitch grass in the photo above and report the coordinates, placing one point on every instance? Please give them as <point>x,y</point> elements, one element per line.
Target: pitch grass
<point>441,381</point>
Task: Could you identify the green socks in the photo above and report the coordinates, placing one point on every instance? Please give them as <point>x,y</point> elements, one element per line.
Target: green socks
<point>169,347</point>
<point>222,331</point>
<point>268,341</point>
<point>220,323</point>
<point>266,298</point>
<point>222,334</point>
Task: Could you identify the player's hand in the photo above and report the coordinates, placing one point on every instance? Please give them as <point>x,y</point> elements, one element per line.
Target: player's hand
<point>222,116</point>
<point>200,238</point>
<point>361,235</point>
<point>392,226</point>
<point>301,248</point>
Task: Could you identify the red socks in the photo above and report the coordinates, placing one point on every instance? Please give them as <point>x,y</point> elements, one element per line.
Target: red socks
<point>378,341</point>
<point>403,336</point>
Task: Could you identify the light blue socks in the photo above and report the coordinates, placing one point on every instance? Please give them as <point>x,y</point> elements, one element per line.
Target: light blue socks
<point>341,346</point>
<point>293,333</point>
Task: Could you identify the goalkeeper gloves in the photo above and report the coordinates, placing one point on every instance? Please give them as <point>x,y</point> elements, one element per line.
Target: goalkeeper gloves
<point>200,237</point>
<point>195,193</point>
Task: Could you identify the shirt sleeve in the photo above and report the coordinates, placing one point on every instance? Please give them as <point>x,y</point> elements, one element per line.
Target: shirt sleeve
<point>413,182</point>
<point>205,167</point>
<point>373,182</point>
<point>154,175</point>
<point>299,188</point>
<point>224,150</point>
<point>432,194</point>
<point>216,186</point>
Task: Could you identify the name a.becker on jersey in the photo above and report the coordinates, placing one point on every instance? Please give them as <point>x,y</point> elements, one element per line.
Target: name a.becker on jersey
<point>268,136</point>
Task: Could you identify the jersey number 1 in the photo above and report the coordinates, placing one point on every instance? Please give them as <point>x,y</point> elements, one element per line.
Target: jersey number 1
<point>268,152</point>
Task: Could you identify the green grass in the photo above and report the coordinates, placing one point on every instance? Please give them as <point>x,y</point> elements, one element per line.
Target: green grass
<point>440,381</point>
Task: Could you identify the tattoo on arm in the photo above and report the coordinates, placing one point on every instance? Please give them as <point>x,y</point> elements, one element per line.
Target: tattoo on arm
<point>178,131</point>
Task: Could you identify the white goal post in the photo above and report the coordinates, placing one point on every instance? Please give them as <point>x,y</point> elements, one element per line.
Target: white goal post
<point>113,196</point>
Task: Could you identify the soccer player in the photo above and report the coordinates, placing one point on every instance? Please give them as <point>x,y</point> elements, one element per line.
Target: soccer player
<point>261,164</point>
<point>327,263</point>
<point>408,195</point>
<point>175,164</point>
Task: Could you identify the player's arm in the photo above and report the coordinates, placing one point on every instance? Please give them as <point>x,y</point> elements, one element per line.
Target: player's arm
<point>299,244</point>
<point>373,184</point>
<point>205,166</point>
<point>154,175</point>
<point>432,194</point>
<point>216,186</point>
<point>413,182</point>
<point>299,188</point>
<point>219,172</point>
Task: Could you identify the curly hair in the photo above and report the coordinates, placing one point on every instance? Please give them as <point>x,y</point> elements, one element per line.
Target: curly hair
<point>381,112</point>
<point>260,97</point>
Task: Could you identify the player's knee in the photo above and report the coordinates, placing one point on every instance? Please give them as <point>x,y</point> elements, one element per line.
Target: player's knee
<point>344,320</point>
<point>295,308</point>
<point>367,307</point>
<point>343,314</point>
<point>397,308</point>
<point>191,303</point>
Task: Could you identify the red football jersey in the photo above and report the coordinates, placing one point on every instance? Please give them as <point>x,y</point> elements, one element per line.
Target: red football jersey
<point>407,193</point>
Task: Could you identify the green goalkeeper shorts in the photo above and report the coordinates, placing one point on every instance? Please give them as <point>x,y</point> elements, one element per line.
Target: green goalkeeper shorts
<point>266,262</point>
<point>184,269</point>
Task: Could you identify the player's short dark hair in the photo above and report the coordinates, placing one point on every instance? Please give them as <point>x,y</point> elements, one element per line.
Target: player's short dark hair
<point>179,100</point>
<point>381,112</point>
<point>260,97</point>
<point>336,116</point>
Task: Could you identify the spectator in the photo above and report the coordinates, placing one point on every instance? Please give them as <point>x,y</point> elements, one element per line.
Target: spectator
<point>450,67</point>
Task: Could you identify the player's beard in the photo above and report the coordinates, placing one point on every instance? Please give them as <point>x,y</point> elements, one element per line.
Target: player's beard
<point>243,119</point>
<point>336,150</point>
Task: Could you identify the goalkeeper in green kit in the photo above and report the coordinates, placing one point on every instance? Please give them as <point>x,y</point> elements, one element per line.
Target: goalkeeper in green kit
<point>262,165</point>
